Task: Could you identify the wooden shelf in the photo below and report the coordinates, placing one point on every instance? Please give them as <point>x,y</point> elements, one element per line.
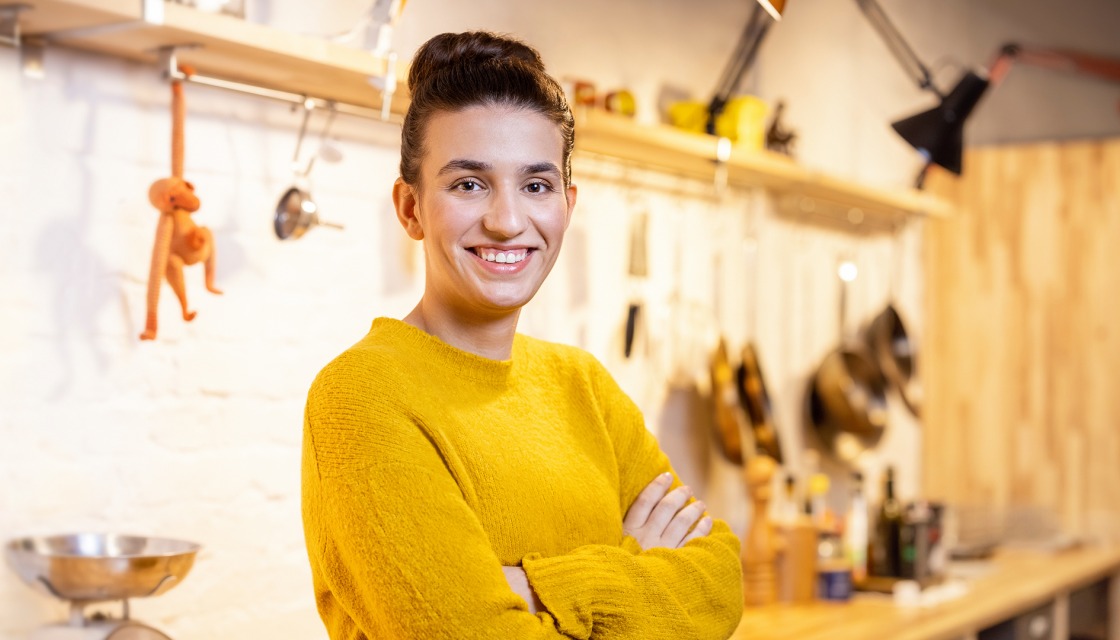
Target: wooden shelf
<point>216,45</point>
<point>672,149</point>
<point>228,48</point>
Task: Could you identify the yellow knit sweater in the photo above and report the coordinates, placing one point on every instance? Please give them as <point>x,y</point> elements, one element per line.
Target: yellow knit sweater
<point>427,468</point>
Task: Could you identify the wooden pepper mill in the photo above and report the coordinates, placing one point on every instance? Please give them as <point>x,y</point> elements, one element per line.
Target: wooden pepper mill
<point>760,549</point>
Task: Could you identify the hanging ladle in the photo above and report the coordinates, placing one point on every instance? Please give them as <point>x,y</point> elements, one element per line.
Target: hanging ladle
<point>296,212</point>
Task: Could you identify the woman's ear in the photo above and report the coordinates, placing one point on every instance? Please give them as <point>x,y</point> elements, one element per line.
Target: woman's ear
<point>570,196</point>
<point>407,205</point>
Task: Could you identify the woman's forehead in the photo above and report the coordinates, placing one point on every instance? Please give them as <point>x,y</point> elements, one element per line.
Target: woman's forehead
<point>501,137</point>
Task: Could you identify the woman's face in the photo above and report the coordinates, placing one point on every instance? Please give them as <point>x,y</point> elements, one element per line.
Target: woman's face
<point>491,208</point>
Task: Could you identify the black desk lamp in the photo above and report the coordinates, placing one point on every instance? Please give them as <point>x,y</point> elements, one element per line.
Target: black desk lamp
<point>938,134</point>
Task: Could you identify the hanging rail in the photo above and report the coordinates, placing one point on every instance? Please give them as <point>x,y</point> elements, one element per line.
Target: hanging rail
<point>180,31</point>
<point>169,68</point>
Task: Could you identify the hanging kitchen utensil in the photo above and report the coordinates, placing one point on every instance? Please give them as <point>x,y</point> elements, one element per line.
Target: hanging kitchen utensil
<point>296,212</point>
<point>894,352</point>
<point>847,395</point>
<point>727,414</point>
<point>750,383</point>
<point>638,270</point>
<point>756,401</point>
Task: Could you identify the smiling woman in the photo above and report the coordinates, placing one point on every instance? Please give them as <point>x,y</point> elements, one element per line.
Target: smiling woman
<point>461,480</point>
<point>491,206</point>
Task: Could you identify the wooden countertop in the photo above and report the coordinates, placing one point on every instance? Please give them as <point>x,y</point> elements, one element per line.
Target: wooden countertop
<point>1019,581</point>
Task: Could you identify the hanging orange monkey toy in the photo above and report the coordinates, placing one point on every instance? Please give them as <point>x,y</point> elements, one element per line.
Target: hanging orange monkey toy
<point>178,240</point>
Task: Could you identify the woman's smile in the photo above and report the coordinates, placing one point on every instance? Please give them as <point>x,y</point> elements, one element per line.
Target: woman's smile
<point>502,260</point>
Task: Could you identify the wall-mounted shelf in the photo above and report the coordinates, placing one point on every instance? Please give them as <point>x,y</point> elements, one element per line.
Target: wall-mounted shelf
<point>233,49</point>
<point>223,46</point>
<point>696,155</point>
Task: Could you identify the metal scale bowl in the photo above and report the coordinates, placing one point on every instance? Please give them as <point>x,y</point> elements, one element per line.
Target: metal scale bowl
<point>88,568</point>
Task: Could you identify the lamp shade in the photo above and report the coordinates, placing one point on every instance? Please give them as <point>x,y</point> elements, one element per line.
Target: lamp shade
<point>774,7</point>
<point>938,134</point>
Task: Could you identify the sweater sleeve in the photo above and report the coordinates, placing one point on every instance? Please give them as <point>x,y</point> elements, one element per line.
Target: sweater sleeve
<point>623,592</point>
<point>396,551</point>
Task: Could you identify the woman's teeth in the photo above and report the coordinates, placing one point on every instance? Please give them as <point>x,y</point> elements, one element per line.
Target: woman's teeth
<point>503,257</point>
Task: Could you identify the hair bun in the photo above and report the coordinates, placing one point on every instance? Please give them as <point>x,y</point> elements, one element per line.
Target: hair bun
<point>472,49</point>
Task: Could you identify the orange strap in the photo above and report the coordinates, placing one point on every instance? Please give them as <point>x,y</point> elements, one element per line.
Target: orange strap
<point>178,114</point>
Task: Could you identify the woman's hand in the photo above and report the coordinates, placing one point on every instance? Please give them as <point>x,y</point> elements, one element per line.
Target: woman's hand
<point>519,582</point>
<point>660,519</point>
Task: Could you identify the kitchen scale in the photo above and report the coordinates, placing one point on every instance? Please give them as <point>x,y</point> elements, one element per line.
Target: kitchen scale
<point>89,568</point>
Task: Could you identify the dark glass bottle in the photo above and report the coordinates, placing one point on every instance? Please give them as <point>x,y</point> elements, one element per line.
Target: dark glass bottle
<point>887,547</point>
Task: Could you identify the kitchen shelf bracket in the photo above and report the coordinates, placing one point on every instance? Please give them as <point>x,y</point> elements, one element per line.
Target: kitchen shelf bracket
<point>9,23</point>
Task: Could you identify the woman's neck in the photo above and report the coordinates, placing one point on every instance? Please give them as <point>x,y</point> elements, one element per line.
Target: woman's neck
<point>490,337</point>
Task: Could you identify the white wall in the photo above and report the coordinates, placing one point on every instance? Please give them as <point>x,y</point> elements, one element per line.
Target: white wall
<point>197,435</point>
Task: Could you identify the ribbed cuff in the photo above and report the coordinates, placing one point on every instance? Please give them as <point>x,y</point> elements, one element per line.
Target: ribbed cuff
<point>575,588</point>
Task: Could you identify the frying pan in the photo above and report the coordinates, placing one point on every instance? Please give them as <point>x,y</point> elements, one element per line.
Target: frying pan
<point>756,402</point>
<point>847,403</point>
<point>891,347</point>
<point>895,355</point>
<point>726,409</point>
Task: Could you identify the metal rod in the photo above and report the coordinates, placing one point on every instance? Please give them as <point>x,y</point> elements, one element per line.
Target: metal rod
<point>286,96</point>
<point>898,46</point>
<point>170,70</point>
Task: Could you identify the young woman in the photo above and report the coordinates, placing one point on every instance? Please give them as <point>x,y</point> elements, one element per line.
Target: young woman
<point>461,480</point>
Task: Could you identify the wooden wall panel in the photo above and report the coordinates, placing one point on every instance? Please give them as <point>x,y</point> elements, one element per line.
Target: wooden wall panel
<point>1022,345</point>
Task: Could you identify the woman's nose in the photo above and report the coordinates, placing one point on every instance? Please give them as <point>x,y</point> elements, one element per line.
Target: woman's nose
<point>506,217</point>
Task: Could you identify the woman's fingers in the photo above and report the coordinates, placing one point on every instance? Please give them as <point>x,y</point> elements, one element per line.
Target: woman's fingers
<point>678,527</point>
<point>703,528</point>
<point>668,507</point>
<point>644,504</point>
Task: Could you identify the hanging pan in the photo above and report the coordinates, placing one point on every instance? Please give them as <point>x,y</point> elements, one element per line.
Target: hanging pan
<point>895,355</point>
<point>847,402</point>
<point>894,352</point>
<point>750,382</point>
<point>756,401</point>
<point>727,416</point>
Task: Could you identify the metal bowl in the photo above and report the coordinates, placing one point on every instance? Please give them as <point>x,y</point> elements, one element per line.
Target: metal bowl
<point>95,567</point>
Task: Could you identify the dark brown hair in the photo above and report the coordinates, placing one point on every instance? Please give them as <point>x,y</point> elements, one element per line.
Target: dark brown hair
<point>453,71</point>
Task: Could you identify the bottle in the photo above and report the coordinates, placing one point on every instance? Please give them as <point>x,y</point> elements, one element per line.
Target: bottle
<point>818,494</point>
<point>855,531</point>
<point>887,549</point>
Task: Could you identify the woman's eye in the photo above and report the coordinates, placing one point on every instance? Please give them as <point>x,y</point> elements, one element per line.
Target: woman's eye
<point>467,185</point>
<point>537,187</point>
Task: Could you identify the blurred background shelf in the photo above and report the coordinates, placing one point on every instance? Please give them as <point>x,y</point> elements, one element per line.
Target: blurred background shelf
<point>216,45</point>
<point>696,155</point>
<point>233,49</point>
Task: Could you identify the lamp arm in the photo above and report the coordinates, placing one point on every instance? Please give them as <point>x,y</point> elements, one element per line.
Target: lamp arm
<point>1057,59</point>
<point>898,46</point>
<point>741,60</point>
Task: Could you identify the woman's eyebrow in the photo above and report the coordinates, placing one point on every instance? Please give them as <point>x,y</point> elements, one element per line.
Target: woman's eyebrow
<point>464,165</point>
<point>540,167</point>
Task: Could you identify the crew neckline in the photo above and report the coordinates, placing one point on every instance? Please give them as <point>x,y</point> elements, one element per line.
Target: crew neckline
<point>436,352</point>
